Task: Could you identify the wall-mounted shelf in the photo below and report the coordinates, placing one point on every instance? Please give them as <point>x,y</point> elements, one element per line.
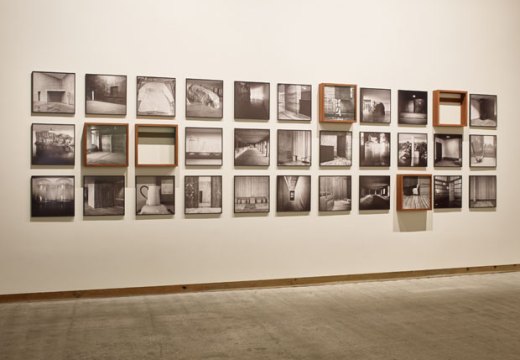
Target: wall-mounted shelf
<point>450,108</point>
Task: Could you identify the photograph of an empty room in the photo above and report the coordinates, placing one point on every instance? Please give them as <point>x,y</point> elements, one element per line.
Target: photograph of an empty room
<point>53,144</point>
<point>252,147</point>
<point>448,150</point>
<point>155,195</point>
<point>414,192</point>
<point>483,110</point>
<point>105,144</point>
<point>156,145</point>
<point>52,196</point>
<point>251,194</point>
<point>483,150</point>
<point>412,107</point>
<point>105,94</point>
<point>203,194</point>
<point>374,192</point>
<point>375,105</point>
<point>155,96</point>
<point>203,146</point>
<point>335,193</point>
<point>412,150</point>
<point>447,193</point>
<point>337,102</point>
<point>251,100</point>
<point>374,149</point>
<point>53,92</point>
<point>103,195</point>
<point>293,193</point>
<point>482,191</point>
<point>294,147</point>
<point>335,148</point>
<point>294,102</point>
<point>204,98</point>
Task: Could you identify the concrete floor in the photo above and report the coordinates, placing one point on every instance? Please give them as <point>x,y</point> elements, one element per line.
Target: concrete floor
<point>465,317</point>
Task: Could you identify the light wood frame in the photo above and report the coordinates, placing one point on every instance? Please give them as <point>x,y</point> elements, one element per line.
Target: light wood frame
<point>176,151</point>
<point>450,97</point>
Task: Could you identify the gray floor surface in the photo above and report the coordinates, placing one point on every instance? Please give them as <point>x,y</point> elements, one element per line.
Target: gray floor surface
<point>462,317</point>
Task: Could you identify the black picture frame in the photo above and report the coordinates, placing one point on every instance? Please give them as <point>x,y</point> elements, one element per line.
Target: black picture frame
<point>412,150</point>
<point>482,151</point>
<point>412,107</point>
<point>52,196</point>
<point>105,145</point>
<point>252,100</point>
<point>204,99</point>
<point>111,202</point>
<point>53,144</point>
<point>447,151</point>
<point>294,102</point>
<point>58,87</point>
<point>294,148</point>
<point>203,146</point>
<point>251,194</point>
<point>335,148</point>
<point>196,200</point>
<point>155,97</point>
<point>447,190</point>
<point>293,193</point>
<point>335,193</point>
<point>159,198</point>
<point>483,110</point>
<point>252,147</point>
<point>482,191</point>
<point>375,106</point>
<point>374,192</point>
<point>374,149</point>
<point>105,94</point>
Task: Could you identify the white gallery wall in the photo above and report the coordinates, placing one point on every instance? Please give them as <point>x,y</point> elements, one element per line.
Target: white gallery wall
<point>399,44</point>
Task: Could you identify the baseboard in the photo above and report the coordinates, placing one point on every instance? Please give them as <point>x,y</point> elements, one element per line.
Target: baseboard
<point>249,284</point>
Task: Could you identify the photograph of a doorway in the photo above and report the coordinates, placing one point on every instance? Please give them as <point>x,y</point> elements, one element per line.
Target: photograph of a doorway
<point>335,193</point>
<point>103,195</point>
<point>105,94</point>
<point>53,92</point>
<point>252,147</point>
<point>448,192</point>
<point>293,193</point>
<point>294,147</point>
<point>105,144</point>
<point>448,150</point>
<point>203,194</point>
<point>483,110</point>
<point>335,148</point>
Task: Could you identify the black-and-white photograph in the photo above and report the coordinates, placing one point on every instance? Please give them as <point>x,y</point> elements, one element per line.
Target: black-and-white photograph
<point>374,192</point>
<point>335,148</point>
<point>294,102</point>
<point>155,96</point>
<point>155,145</point>
<point>414,192</point>
<point>448,192</point>
<point>293,193</point>
<point>335,193</point>
<point>203,194</point>
<point>482,191</point>
<point>103,195</point>
<point>483,150</point>
<point>294,147</point>
<point>412,107</point>
<point>448,150</point>
<point>155,195</point>
<point>412,150</point>
<point>53,92</point>
<point>203,146</point>
<point>53,144</point>
<point>375,105</point>
<point>251,100</point>
<point>251,194</point>
<point>204,98</point>
<point>105,144</point>
<point>374,149</point>
<point>105,94</point>
<point>52,196</point>
<point>252,147</point>
<point>338,102</point>
<point>483,110</point>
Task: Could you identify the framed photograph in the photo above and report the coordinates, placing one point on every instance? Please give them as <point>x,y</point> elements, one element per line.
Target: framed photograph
<point>374,192</point>
<point>447,192</point>
<point>203,194</point>
<point>294,147</point>
<point>53,92</point>
<point>335,148</point>
<point>482,191</point>
<point>412,150</point>
<point>252,147</point>
<point>483,151</point>
<point>105,94</point>
<point>103,195</point>
<point>375,105</point>
<point>203,146</point>
<point>483,110</point>
<point>204,98</point>
<point>155,96</point>
<point>294,102</point>
<point>156,145</point>
<point>293,193</point>
<point>374,149</point>
<point>53,144</point>
<point>105,144</point>
<point>155,195</point>
<point>414,192</point>
<point>335,193</point>
<point>52,196</point>
<point>448,150</point>
<point>338,103</point>
<point>251,194</point>
<point>412,107</point>
<point>251,100</point>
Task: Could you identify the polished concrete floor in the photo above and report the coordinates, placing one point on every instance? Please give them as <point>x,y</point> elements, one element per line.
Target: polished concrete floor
<point>464,317</point>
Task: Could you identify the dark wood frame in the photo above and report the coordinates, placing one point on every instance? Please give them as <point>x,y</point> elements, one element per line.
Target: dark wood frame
<point>438,101</point>
<point>176,152</point>
<point>137,97</point>
<point>427,149</point>
<point>349,179</point>
<point>268,159</point>
<point>105,176</point>
<point>321,101</point>
<point>399,191</point>
<point>469,192</point>
<point>221,145</point>
<point>75,144</point>
<point>73,194</point>
<point>278,103</point>
<point>361,90</point>
<point>203,213</point>
<point>268,194</point>
<point>84,145</point>
<point>52,112</point>
<point>278,147</point>
<point>186,100</point>
<point>351,147</point>
<point>471,151</point>
<point>156,176</point>
<point>469,105</point>
<point>235,100</point>
<point>106,114</point>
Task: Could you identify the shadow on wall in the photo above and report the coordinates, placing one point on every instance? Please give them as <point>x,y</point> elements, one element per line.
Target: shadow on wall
<point>412,221</point>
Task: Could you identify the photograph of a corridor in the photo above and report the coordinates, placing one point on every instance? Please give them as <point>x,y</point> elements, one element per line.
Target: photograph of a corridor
<point>105,144</point>
<point>252,147</point>
<point>374,192</point>
<point>251,100</point>
<point>294,147</point>
<point>53,92</point>
<point>294,102</point>
<point>203,194</point>
<point>414,192</point>
<point>293,193</point>
<point>105,94</point>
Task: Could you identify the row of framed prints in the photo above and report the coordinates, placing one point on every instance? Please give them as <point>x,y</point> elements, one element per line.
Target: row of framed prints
<point>157,145</point>
<point>54,93</point>
<point>155,195</point>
